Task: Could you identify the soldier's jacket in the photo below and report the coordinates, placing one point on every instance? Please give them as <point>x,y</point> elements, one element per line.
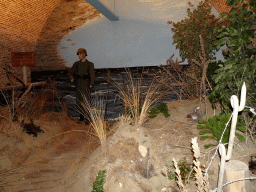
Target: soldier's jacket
<point>83,74</point>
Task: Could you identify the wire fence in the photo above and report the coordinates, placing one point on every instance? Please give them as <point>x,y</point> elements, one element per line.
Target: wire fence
<point>222,154</point>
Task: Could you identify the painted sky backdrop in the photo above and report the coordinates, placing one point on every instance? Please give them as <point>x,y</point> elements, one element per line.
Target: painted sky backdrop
<point>141,37</point>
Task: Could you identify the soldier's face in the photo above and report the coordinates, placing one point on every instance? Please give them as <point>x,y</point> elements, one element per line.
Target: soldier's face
<point>81,56</point>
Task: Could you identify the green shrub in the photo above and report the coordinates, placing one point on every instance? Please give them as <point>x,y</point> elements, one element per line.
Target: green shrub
<point>162,108</point>
<point>185,170</point>
<point>240,57</point>
<point>200,21</point>
<point>208,146</point>
<point>99,182</point>
<point>216,126</point>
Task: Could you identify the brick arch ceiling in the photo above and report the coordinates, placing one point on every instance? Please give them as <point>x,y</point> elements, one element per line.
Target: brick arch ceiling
<point>23,20</point>
<point>39,26</point>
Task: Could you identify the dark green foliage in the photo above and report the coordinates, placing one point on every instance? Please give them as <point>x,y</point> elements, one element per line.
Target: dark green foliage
<point>208,146</point>
<point>240,137</point>
<point>216,126</point>
<point>171,175</point>
<point>200,126</point>
<point>99,182</point>
<point>185,170</point>
<point>202,138</point>
<point>162,108</point>
<point>201,120</point>
<point>212,67</point>
<point>202,132</point>
<point>240,64</point>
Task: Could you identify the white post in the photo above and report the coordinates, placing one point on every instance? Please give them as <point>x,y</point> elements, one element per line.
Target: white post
<point>236,108</point>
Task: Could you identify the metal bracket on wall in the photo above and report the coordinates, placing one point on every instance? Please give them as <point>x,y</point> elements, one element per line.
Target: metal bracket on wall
<point>103,9</point>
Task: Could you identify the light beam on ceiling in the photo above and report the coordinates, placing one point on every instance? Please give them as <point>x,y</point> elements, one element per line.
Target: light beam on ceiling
<point>103,9</point>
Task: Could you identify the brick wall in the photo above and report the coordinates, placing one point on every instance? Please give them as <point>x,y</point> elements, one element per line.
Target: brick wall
<point>66,17</point>
<point>47,56</point>
<point>21,23</point>
<point>6,47</point>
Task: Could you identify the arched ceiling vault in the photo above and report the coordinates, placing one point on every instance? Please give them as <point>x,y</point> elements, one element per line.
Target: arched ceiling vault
<point>39,25</point>
<point>23,20</point>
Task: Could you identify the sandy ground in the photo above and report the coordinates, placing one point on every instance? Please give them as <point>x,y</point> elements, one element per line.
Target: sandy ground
<point>67,156</point>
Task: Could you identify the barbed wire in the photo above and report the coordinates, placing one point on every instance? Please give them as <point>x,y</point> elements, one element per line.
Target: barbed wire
<point>248,178</point>
<point>251,109</point>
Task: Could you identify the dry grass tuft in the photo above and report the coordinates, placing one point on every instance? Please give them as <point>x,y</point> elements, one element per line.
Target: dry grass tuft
<point>124,120</point>
<point>130,94</point>
<point>135,104</point>
<point>95,109</point>
<point>151,98</point>
<point>7,117</point>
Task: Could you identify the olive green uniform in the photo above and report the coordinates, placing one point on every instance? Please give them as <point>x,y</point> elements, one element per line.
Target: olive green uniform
<point>84,75</point>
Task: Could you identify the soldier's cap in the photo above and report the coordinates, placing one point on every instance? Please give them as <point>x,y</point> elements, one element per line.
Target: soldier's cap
<point>81,50</point>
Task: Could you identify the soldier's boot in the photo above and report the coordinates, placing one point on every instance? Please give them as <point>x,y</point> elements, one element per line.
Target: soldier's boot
<point>81,118</point>
<point>86,122</point>
<point>87,119</point>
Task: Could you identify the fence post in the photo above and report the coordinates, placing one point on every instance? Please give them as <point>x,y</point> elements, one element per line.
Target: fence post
<point>226,173</point>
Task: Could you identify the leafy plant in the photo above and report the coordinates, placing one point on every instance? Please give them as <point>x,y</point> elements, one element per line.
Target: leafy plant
<point>216,126</point>
<point>162,108</point>
<point>187,31</point>
<point>212,67</point>
<point>200,21</point>
<point>99,182</point>
<point>185,170</point>
<point>240,64</point>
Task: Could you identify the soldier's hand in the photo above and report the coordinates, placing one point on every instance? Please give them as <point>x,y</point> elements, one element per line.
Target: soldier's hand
<point>72,80</point>
<point>90,86</point>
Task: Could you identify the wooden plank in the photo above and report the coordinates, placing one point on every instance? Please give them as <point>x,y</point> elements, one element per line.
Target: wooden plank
<point>21,86</point>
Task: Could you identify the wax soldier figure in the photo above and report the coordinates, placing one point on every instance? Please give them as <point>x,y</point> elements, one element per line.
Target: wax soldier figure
<point>83,73</point>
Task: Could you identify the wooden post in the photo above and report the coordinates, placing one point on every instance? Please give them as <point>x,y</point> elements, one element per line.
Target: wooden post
<point>105,114</point>
<point>25,76</point>
<point>125,90</point>
<point>234,170</point>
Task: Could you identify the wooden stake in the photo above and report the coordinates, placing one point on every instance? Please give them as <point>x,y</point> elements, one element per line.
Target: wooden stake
<point>105,114</point>
<point>25,76</point>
